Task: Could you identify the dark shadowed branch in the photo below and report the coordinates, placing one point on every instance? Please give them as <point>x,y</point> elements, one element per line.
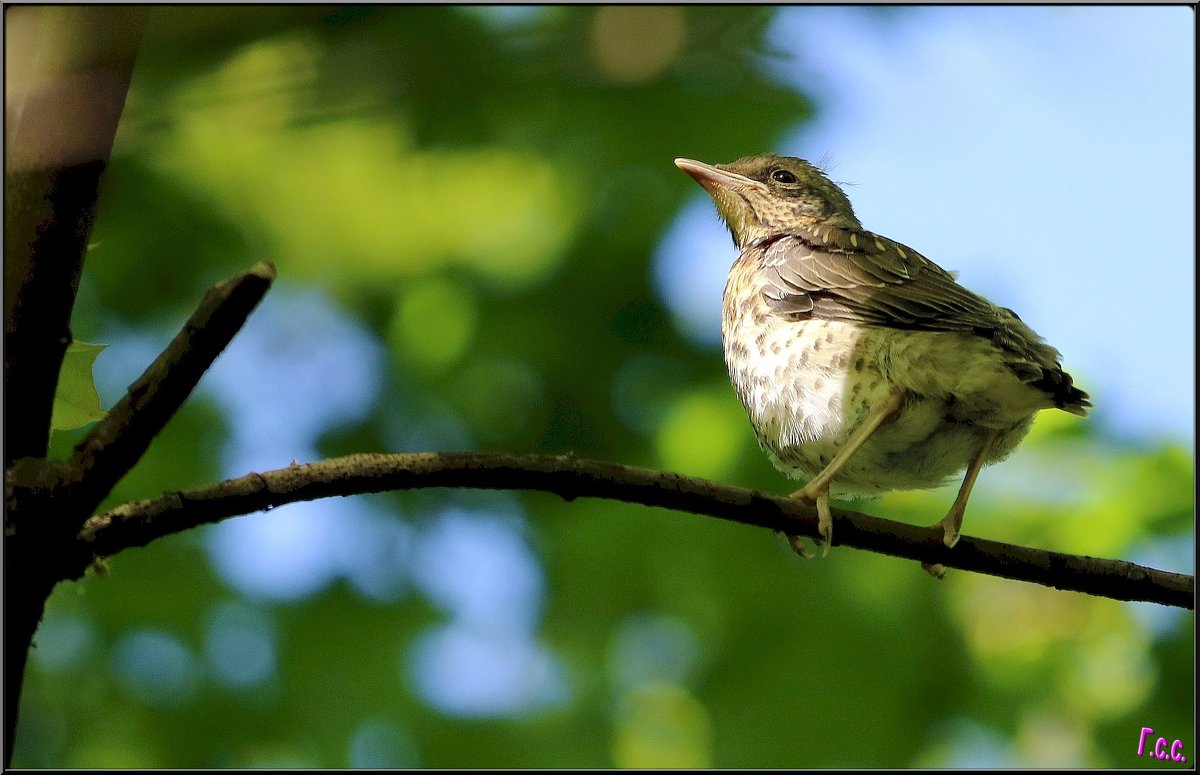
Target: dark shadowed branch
<point>139,523</point>
<point>52,177</point>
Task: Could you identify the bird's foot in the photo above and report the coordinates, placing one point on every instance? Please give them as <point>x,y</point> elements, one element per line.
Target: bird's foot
<point>937,570</point>
<point>951,525</point>
<point>820,496</point>
<point>797,544</point>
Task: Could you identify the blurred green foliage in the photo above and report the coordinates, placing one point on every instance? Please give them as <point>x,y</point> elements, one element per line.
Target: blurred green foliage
<point>480,189</point>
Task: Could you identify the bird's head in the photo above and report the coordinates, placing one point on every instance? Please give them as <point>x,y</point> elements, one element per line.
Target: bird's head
<point>758,196</point>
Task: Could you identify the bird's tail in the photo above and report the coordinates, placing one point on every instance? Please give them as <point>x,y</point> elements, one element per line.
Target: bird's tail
<point>1060,387</point>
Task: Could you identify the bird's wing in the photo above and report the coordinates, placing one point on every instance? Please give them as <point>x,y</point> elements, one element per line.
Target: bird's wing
<point>857,276</point>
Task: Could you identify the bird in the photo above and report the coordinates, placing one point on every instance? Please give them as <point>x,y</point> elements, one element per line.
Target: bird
<point>863,366</point>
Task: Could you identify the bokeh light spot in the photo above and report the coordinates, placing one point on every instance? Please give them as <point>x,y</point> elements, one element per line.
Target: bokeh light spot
<point>469,672</point>
<point>501,398</point>
<point>240,646</point>
<point>662,727</point>
<point>650,649</point>
<point>433,324</point>
<point>690,267</point>
<point>702,434</point>
<point>962,742</point>
<point>274,379</point>
<point>381,744</point>
<point>1111,673</point>
<point>62,642</point>
<point>633,44</point>
<point>1047,738</point>
<point>298,549</point>
<point>157,668</point>
<point>262,84</point>
<point>1006,654</point>
<point>478,568</point>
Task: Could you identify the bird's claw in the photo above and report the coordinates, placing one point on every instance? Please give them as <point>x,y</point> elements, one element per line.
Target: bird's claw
<point>824,517</point>
<point>951,524</point>
<point>824,525</point>
<point>797,544</point>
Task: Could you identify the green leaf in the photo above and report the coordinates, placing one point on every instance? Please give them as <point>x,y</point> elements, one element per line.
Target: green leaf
<point>77,403</point>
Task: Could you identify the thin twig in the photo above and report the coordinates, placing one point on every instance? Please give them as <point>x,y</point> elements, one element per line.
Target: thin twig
<point>139,523</point>
<point>118,441</point>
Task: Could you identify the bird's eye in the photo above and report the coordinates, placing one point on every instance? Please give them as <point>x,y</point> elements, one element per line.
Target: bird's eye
<point>783,176</point>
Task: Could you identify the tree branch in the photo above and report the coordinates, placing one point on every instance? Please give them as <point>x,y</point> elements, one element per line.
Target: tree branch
<point>66,78</point>
<point>139,523</point>
<point>46,501</point>
<point>69,72</point>
<point>118,441</point>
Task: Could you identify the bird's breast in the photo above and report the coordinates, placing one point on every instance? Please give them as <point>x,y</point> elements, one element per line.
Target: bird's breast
<point>801,381</point>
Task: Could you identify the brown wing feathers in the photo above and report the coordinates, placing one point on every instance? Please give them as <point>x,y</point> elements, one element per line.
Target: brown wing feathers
<point>858,276</point>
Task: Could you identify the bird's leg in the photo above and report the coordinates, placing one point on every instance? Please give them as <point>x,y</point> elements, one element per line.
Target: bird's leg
<point>952,522</point>
<point>818,487</point>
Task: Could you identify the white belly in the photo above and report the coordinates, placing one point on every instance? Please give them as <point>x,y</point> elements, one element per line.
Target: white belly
<point>807,386</point>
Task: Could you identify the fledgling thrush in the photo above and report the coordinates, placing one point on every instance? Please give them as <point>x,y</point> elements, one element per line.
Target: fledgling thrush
<point>862,364</point>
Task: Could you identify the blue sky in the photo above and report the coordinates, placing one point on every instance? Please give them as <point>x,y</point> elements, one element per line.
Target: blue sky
<point>1046,153</point>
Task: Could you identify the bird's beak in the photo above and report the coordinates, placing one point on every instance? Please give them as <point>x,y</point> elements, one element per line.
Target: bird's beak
<point>712,177</point>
